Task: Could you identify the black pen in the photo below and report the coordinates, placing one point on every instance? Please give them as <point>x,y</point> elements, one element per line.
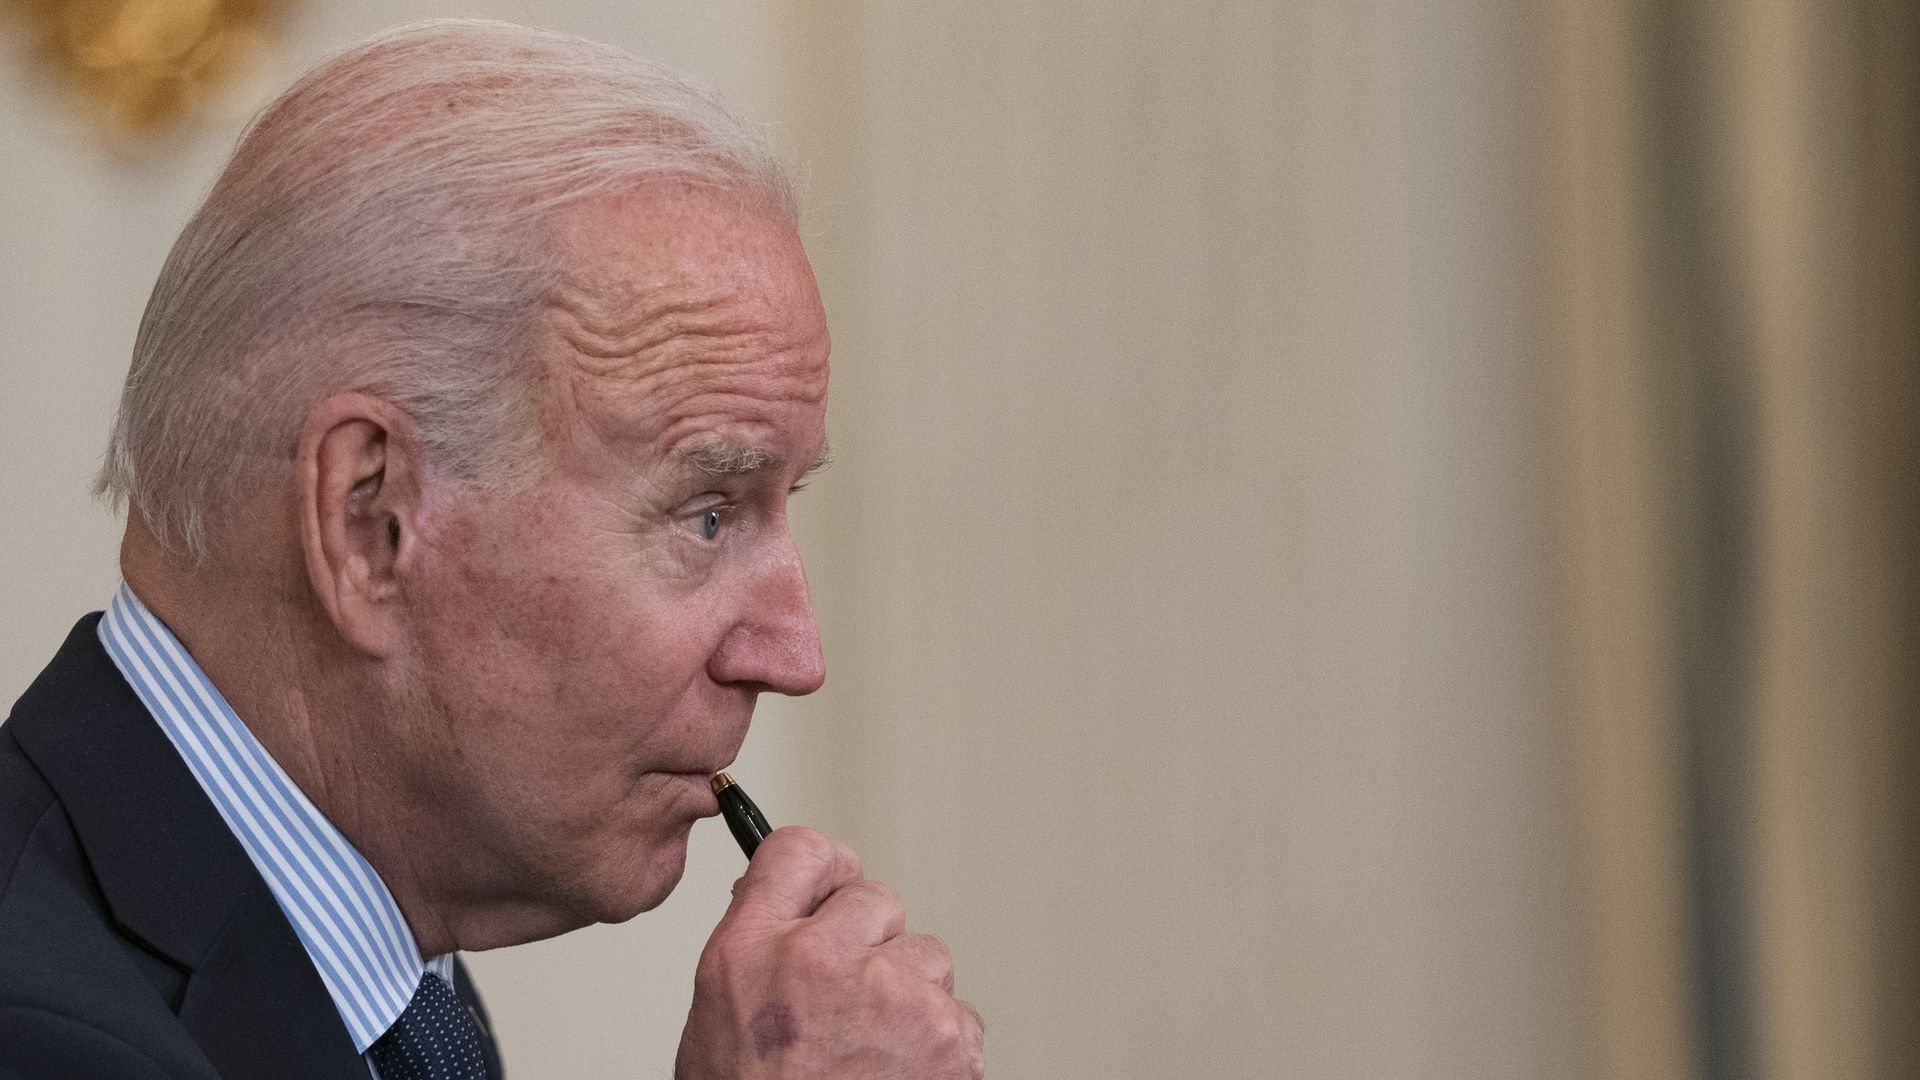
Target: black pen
<point>744,819</point>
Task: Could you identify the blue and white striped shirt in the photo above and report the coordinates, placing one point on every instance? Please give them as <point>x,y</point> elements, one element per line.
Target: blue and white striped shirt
<point>339,907</point>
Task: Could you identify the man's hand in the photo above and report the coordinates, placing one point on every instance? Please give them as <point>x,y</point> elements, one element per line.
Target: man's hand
<point>811,974</point>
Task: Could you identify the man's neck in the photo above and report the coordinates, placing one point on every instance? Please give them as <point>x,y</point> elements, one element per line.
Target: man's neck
<point>332,719</point>
<point>260,643</point>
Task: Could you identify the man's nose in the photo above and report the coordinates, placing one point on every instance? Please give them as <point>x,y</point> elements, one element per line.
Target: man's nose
<point>774,644</point>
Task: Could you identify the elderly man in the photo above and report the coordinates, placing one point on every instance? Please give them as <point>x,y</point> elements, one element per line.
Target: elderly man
<point>457,445</point>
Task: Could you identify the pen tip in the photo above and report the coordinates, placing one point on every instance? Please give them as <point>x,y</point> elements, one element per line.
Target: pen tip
<point>720,781</point>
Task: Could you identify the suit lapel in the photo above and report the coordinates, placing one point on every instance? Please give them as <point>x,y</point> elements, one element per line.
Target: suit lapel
<point>258,1009</point>
<point>173,875</point>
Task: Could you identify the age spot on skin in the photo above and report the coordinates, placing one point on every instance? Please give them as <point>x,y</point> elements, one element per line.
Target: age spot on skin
<point>773,1028</point>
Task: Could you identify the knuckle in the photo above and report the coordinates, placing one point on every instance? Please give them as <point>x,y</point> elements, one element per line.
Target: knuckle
<point>958,1041</point>
<point>880,895</point>
<point>971,1061</point>
<point>816,847</point>
<point>790,841</point>
<point>934,947</point>
<point>934,959</point>
<point>811,950</point>
<point>953,1030</point>
<point>805,837</point>
<point>971,1049</point>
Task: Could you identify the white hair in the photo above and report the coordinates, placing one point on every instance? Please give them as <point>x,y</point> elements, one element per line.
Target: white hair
<point>382,228</point>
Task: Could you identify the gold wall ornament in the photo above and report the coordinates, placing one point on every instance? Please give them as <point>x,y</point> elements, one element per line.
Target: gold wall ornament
<point>141,66</point>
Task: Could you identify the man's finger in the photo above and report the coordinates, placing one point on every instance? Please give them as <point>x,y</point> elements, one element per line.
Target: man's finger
<point>975,1040</point>
<point>794,870</point>
<point>924,955</point>
<point>864,913</point>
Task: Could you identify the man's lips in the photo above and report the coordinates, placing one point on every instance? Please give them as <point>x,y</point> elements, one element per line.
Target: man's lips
<point>700,781</point>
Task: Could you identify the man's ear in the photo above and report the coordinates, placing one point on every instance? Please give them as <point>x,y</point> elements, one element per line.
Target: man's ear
<point>360,482</point>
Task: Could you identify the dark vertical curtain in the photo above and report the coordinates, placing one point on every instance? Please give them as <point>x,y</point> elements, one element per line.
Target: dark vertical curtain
<point>1737,192</point>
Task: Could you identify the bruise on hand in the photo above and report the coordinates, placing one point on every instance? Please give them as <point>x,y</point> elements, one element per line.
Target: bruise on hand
<point>774,1028</point>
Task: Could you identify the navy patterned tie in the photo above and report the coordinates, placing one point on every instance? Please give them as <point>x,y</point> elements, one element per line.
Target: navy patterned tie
<point>435,1039</point>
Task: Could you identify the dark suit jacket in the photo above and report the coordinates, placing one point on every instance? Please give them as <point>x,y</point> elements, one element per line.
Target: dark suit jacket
<point>136,938</point>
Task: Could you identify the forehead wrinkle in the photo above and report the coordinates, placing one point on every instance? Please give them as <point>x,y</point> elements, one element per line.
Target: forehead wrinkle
<point>634,350</point>
<point>678,403</point>
<point>641,353</point>
<point>610,333</point>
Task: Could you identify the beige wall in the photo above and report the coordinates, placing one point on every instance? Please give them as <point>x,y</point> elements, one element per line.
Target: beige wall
<point>1187,577</point>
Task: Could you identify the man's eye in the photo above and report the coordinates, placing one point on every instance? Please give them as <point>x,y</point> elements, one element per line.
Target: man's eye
<point>711,523</point>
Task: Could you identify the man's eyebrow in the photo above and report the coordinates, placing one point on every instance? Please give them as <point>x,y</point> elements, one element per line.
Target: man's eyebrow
<point>728,458</point>
<point>737,459</point>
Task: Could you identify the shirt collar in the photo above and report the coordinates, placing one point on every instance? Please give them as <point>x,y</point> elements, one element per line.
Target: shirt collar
<point>339,907</point>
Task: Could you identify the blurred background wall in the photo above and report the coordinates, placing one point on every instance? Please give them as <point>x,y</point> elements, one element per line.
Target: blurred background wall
<point>1369,540</point>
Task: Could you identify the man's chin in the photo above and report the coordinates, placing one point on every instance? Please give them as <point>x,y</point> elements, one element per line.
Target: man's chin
<point>638,886</point>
